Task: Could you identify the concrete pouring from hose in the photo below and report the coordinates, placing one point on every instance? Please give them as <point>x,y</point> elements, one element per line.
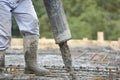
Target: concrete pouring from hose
<point>58,20</point>
<point>60,29</point>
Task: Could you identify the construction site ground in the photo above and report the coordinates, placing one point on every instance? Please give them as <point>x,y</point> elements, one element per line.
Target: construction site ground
<point>89,63</point>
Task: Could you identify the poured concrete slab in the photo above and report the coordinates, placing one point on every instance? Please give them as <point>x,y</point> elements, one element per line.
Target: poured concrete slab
<point>89,56</point>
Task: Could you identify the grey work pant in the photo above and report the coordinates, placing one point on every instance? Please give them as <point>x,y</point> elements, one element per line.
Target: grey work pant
<point>25,16</point>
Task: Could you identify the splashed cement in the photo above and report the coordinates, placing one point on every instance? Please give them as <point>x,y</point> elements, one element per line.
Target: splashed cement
<point>66,56</point>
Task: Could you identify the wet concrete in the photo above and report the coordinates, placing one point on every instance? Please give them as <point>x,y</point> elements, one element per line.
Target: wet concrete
<point>88,56</point>
<point>81,56</point>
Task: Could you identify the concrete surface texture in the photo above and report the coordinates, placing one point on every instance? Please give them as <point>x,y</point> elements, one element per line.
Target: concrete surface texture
<point>86,56</point>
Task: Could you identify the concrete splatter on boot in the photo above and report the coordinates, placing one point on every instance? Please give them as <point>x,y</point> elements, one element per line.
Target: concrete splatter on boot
<point>3,76</point>
<point>30,49</point>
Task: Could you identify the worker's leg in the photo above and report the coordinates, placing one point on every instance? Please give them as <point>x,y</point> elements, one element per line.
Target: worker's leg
<point>29,26</point>
<point>5,36</point>
<point>5,26</point>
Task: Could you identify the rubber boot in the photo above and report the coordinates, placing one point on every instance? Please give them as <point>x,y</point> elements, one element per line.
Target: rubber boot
<point>30,44</point>
<point>3,76</point>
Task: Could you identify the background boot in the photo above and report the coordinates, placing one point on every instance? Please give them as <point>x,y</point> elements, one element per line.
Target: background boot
<point>3,76</point>
<point>30,44</point>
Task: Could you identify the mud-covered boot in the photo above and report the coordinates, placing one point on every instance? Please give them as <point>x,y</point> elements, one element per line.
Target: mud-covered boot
<point>30,44</point>
<point>3,76</point>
